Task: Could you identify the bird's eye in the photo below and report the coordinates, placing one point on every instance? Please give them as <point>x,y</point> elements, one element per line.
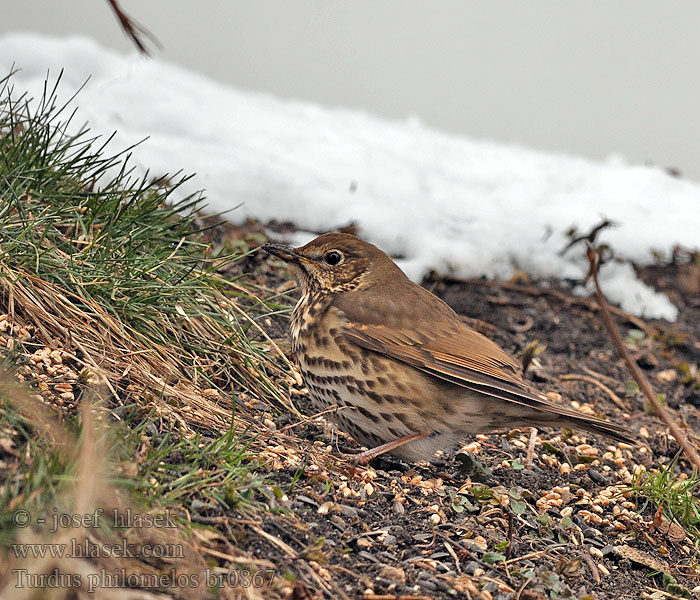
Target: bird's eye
<point>333,258</point>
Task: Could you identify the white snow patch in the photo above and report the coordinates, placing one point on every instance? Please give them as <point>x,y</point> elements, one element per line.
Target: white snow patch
<point>457,205</point>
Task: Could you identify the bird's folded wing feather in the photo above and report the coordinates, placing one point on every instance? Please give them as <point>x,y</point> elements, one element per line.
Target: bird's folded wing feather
<point>459,355</point>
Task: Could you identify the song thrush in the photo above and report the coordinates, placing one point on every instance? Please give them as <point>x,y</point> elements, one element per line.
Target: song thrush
<point>407,374</point>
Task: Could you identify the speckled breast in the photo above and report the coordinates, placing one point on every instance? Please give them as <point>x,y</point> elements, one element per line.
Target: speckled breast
<point>374,403</point>
<point>315,352</point>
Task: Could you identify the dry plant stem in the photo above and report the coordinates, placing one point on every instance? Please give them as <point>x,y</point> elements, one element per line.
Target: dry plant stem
<point>600,376</point>
<point>132,29</point>
<point>526,557</point>
<point>331,409</point>
<point>522,588</point>
<point>613,396</point>
<point>531,447</point>
<point>47,421</point>
<point>639,377</point>
<point>242,560</point>
<point>292,369</point>
<point>373,596</point>
<point>56,310</point>
<point>289,551</point>
<point>591,565</point>
<point>454,556</point>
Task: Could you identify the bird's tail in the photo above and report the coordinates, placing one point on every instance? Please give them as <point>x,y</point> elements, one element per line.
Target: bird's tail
<point>559,416</point>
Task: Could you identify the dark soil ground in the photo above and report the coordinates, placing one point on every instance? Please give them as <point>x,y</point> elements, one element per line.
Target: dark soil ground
<point>482,523</point>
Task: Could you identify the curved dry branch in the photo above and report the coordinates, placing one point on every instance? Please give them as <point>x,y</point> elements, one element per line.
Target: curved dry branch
<point>642,381</point>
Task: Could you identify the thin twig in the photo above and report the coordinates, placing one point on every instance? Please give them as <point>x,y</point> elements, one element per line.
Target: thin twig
<point>373,596</point>
<point>310,418</point>
<point>241,560</point>
<point>661,593</point>
<point>592,373</point>
<point>522,588</point>
<point>454,556</point>
<point>526,557</point>
<point>591,565</point>
<point>509,535</point>
<point>531,447</point>
<point>135,31</point>
<point>291,553</point>
<point>613,396</point>
<point>639,377</point>
<point>590,236</point>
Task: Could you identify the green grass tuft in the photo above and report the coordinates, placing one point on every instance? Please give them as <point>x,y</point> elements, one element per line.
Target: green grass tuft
<point>678,496</point>
<point>90,251</point>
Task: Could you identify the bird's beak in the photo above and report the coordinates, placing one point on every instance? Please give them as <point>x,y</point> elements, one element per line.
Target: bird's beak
<point>286,253</point>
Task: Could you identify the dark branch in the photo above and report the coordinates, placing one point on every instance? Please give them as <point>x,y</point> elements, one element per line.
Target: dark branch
<point>589,237</point>
<point>639,377</point>
<point>135,31</point>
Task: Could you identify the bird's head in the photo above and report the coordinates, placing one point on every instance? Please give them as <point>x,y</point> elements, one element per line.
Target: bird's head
<point>337,262</point>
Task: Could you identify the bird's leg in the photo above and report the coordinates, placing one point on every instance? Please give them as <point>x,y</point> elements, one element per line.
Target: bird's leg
<point>364,457</point>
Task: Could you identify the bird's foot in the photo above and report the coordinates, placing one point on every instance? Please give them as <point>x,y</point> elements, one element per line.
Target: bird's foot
<point>368,455</point>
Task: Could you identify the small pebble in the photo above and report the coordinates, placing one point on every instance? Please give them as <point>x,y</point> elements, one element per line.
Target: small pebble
<point>347,511</point>
<point>338,522</point>
<point>367,556</point>
<point>471,567</point>
<point>394,574</point>
<point>307,500</point>
<point>443,568</point>
<point>441,585</point>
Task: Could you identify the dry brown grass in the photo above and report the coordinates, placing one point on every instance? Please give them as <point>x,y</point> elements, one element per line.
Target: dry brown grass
<point>86,490</point>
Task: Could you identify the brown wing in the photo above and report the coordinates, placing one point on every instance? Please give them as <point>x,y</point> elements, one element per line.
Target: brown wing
<point>461,356</point>
<point>428,335</point>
